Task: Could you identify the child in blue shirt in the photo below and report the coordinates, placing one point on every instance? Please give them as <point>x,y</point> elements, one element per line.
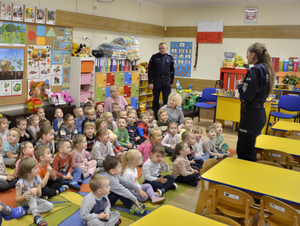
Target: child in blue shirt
<point>11,147</point>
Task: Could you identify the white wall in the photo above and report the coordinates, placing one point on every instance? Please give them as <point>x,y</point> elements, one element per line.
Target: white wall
<point>211,56</point>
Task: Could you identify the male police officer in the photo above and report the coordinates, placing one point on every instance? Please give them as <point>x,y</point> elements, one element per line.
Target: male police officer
<point>160,75</point>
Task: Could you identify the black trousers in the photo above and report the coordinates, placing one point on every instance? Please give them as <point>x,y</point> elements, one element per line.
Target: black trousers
<point>250,127</point>
<point>158,86</point>
<point>52,186</point>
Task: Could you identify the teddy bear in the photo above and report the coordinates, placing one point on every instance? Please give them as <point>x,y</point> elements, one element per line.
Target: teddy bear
<point>86,52</point>
<point>74,49</point>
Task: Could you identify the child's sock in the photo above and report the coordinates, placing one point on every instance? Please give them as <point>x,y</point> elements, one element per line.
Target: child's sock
<point>63,188</point>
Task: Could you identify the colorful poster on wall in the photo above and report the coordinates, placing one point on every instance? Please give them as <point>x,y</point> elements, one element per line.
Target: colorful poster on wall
<point>11,64</point>
<point>56,58</point>
<point>6,11</point>
<point>16,88</point>
<point>66,47</point>
<point>68,35</point>
<point>60,34</point>
<point>33,72</point>
<point>5,88</point>
<point>40,15</point>
<point>182,55</point>
<point>12,34</point>
<point>56,46</point>
<point>18,12</point>
<point>29,14</point>
<point>38,56</point>
<point>66,60</point>
<point>56,80</point>
<point>37,88</point>
<point>51,16</point>
<point>56,69</point>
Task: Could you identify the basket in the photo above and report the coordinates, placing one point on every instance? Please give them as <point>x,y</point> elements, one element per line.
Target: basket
<point>86,66</point>
<point>85,94</point>
<point>86,79</point>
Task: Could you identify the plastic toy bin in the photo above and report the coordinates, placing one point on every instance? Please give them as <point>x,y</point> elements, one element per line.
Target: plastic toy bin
<point>85,94</point>
<point>87,66</point>
<point>85,79</point>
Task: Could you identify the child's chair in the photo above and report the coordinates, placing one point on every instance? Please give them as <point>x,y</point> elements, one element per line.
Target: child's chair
<point>233,202</point>
<point>279,157</point>
<point>206,191</point>
<point>223,219</point>
<point>282,213</point>
<point>270,163</point>
<point>293,134</point>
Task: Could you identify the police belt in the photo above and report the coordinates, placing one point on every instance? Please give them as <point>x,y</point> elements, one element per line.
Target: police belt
<point>161,77</point>
<point>255,106</point>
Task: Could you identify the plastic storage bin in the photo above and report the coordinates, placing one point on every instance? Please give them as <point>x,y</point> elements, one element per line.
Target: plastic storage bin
<point>85,94</point>
<point>85,79</point>
<point>87,66</point>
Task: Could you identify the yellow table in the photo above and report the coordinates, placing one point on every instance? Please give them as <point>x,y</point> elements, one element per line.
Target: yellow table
<point>257,179</point>
<point>171,215</point>
<point>282,126</point>
<point>229,108</point>
<point>290,146</point>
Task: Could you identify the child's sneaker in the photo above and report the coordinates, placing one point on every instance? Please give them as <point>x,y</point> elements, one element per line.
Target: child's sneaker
<point>63,188</point>
<point>124,149</point>
<point>142,205</point>
<point>118,223</point>
<point>174,186</point>
<point>44,197</point>
<point>159,192</point>
<point>38,220</point>
<point>15,213</point>
<point>74,186</point>
<point>134,209</point>
<point>158,200</point>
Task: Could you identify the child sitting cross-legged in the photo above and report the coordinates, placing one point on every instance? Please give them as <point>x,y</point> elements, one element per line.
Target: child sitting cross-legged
<point>22,126</point>
<point>143,125</point>
<point>28,191</point>
<point>189,138</point>
<point>209,144</point>
<point>67,130</point>
<point>51,185</point>
<point>162,123</point>
<point>63,165</point>
<point>122,133</point>
<point>223,147</point>
<point>181,168</point>
<point>119,186</point>
<point>188,126</point>
<point>131,127</point>
<point>95,207</point>
<point>102,148</point>
<point>151,171</point>
<point>198,151</point>
<point>11,147</point>
<point>171,138</point>
<point>88,168</point>
<point>130,160</point>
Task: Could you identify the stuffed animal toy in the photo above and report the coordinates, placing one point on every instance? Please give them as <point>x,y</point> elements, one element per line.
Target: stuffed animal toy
<point>74,49</point>
<point>86,52</point>
<point>80,49</point>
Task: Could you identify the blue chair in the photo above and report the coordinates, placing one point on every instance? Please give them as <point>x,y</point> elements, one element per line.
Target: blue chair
<point>207,97</point>
<point>288,103</point>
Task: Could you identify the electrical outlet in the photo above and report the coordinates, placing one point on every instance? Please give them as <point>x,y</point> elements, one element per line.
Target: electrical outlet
<point>85,37</point>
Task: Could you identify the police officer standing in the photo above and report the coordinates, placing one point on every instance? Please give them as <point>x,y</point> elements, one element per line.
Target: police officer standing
<point>253,91</point>
<point>160,75</point>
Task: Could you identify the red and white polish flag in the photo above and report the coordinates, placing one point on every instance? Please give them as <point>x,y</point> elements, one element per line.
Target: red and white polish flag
<point>210,32</point>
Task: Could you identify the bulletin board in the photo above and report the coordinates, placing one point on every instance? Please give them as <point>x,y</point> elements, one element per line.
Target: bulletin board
<point>45,57</point>
<point>182,55</point>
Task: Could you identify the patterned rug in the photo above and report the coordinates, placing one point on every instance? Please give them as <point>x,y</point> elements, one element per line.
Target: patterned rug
<point>67,204</point>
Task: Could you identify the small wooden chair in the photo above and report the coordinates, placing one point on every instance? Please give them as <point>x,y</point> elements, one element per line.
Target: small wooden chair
<point>280,157</point>
<point>223,219</point>
<point>233,202</point>
<point>293,134</point>
<point>205,194</point>
<point>282,213</point>
<point>270,163</point>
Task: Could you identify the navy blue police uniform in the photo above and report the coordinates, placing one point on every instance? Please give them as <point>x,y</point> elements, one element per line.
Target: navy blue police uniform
<point>161,75</point>
<point>253,93</point>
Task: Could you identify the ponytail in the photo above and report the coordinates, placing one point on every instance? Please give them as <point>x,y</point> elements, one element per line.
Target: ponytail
<point>178,148</point>
<point>124,161</point>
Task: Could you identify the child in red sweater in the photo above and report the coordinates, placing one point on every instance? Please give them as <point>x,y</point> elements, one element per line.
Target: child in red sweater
<point>63,165</point>
<point>143,125</point>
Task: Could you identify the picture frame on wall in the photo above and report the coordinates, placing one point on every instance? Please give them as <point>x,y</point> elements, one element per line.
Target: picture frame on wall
<point>251,15</point>
<point>18,12</point>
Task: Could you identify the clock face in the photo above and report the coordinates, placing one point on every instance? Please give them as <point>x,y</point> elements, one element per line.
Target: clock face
<point>251,15</point>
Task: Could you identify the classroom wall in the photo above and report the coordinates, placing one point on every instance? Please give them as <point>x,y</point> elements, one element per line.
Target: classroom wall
<point>211,56</point>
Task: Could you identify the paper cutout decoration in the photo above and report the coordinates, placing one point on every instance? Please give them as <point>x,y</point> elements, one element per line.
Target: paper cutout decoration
<point>51,33</point>
<point>40,40</point>
<point>210,32</point>
<point>31,35</point>
<point>41,30</point>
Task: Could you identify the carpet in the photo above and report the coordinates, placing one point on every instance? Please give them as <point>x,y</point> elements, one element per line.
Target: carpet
<point>67,204</point>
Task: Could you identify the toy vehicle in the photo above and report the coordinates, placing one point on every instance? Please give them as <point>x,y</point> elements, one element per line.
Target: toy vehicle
<point>33,103</point>
<point>61,98</point>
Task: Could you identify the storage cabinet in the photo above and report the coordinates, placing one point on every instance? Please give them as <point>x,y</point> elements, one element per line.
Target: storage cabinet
<point>146,94</point>
<point>135,77</point>
<point>82,78</point>
<point>110,79</point>
<point>127,91</point>
<point>119,78</point>
<point>127,78</point>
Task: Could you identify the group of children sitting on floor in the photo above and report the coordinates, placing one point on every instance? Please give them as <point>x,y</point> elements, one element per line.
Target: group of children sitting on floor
<point>116,142</point>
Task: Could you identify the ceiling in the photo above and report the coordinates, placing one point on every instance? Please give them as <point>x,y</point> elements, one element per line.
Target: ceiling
<point>193,3</point>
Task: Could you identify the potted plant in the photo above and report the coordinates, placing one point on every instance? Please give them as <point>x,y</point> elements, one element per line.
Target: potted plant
<point>291,80</point>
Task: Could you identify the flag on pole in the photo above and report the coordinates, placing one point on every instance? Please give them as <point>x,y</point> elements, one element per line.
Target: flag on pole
<point>210,32</point>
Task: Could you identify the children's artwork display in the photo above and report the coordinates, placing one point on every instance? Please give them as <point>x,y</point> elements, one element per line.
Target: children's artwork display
<point>40,15</point>
<point>18,12</point>
<point>51,16</point>
<point>29,14</point>
<point>11,64</point>
<point>66,47</point>
<point>60,34</point>
<point>68,35</point>
<point>5,11</point>
<point>56,80</point>
<point>56,46</point>
<point>56,58</point>
<point>66,60</point>
<point>38,61</point>
<point>56,69</point>
<point>37,88</point>
<point>12,34</point>
<point>182,56</point>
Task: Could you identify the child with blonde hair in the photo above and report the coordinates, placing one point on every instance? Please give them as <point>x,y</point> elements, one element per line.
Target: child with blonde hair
<point>130,160</point>
<point>188,126</point>
<point>152,121</point>
<point>145,148</point>
<point>221,147</point>
<point>122,114</point>
<point>11,147</point>
<point>90,117</point>
<point>171,138</point>
<point>40,113</point>
<point>181,168</point>
<point>88,168</point>
<point>33,122</point>
<point>122,133</point>
<point>111,124</point>
<point>28,191</point>
<point>197,147</point>
<point>162,123</point>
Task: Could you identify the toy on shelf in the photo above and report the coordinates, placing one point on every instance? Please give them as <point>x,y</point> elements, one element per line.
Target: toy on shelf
<point>190,101</point>
<point>74,49</point>
<point>239,62</point>
<point>33,103</point>
<point>143,107</point>
<point>59,98</point>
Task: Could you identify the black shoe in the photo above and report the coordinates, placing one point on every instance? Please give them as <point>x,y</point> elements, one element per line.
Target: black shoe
<point>75,187</point>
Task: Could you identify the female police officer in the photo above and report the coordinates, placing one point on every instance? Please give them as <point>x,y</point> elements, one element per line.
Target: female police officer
<point>253,91</point>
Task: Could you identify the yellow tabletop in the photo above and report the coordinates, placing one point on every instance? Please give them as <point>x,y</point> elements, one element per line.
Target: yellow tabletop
<point>290,146</point>
<point>285,126</point>
<point>171,215</point>
<point>256,178</point>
